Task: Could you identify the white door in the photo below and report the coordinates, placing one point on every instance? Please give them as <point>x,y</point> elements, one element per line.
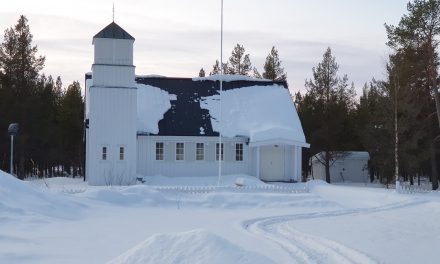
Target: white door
<point>272,163</point>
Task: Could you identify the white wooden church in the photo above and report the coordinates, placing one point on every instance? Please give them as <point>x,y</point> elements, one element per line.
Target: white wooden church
<point>152,125</point>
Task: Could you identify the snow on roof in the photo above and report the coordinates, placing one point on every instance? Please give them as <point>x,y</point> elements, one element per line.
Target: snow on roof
<point>258,112</point>
<point>229,78</point>
<point>151,76</point>
<point>152,104</point>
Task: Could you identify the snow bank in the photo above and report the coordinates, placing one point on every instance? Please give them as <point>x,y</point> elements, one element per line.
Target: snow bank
<point>226,180</point>
<point>152,104</point>
<point>21,198</point>
<point>258,112</point>
<point>128,196</point>
<point>229,78</point>
<point>196,246</point>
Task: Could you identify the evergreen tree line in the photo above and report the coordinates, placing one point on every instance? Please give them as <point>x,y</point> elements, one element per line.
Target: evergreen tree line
<point>50,117</point>
<point>399,115</point>
<point>240,63</point>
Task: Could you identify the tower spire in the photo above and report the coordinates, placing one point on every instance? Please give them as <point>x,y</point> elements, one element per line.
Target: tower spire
<point>113,11</point>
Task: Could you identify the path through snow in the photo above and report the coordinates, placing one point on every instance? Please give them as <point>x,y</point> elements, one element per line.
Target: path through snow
<point>306,248</point>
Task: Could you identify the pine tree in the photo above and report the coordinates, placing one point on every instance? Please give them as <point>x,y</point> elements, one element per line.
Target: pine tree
<point>20,67</point>
<point>330,99</point>
<point>272,67</point>
<point>71,123</point>
<point>215,68</point>
<point>257,74</point>
<point>202,73</point>
<point>239,62</point>
<point>418,34</point>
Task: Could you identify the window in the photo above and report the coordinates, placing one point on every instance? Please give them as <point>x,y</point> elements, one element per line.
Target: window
<point>239,151</point>
<point>217,151</point>
<point>180,151</point>
<point>159,150</point>
<point>121,153</point>
<point>104,153</point>
<point>200,151</point>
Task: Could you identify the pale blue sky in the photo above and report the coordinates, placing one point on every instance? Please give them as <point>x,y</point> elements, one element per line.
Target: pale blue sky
<point>177,38</point>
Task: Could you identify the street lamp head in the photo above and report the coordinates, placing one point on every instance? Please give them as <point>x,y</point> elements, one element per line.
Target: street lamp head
<point>13,129</point>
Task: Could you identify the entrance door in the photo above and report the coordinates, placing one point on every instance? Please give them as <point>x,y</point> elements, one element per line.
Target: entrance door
<point>272,163</point>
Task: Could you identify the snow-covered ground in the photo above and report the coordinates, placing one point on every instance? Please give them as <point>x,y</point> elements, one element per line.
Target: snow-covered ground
<point>63,220</point>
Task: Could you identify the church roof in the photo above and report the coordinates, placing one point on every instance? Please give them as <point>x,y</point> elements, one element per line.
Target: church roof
<point>113,31</point>
<point>257,109</point>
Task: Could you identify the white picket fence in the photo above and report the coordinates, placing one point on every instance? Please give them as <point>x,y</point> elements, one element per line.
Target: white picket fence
<point>410,189</point>
<point>238,189</point>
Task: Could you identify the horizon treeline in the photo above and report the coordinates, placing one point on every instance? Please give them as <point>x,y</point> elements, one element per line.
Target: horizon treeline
<point>50,116</point>
<point>398,115</point>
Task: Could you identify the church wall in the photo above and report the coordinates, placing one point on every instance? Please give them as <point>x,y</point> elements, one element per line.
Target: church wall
<point>148,165</point>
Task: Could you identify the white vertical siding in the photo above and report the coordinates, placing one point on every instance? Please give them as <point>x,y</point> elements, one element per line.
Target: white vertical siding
<point>147,164</point>
<point>113,51</point>
<point>112,114</point>
<point>112,123</point>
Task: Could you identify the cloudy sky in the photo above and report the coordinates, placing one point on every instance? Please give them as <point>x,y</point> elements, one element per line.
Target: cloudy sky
<point>178,37</point>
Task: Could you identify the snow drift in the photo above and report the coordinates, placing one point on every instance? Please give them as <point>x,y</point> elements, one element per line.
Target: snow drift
<point>196,246</point>
<point>21,198</point>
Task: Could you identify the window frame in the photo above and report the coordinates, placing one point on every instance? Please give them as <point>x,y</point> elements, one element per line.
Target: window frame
<point>104,153</point>
<point>160,153</point>
<point>180,156</point>
<point>202,154</point>
<point>121,153</point>
<point>239,152</point>
<point>222,151</point>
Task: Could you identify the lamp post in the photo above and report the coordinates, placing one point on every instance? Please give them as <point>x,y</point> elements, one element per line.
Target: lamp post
<point>12,131</point>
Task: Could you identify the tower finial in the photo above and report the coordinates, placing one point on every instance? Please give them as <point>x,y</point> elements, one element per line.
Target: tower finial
<point>113,11</point>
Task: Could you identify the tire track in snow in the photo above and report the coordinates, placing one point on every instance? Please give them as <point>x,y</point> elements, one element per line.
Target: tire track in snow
<point>306,248</point>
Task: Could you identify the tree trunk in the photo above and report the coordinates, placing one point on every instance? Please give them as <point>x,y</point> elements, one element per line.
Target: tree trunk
<point>434,175</point>
<point>327,167</point>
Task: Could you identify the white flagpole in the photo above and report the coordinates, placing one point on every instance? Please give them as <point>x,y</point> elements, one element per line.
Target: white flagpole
<point>220,149</point>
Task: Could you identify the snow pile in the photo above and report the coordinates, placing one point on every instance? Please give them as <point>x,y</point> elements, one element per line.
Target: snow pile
<point>60,184</point>
<point>258,112</point>
<point>21,198</point>
<point>226,180</point>
<point>152,104</point>
<point>128,196</point>
<point>196,246</point>
<point>229,78</point>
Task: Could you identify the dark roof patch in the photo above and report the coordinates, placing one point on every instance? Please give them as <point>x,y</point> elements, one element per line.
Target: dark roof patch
<point>186,117</point>
<point>113,31</point>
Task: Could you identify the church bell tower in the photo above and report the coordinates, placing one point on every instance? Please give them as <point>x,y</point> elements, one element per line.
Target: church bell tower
<point>112,103</point>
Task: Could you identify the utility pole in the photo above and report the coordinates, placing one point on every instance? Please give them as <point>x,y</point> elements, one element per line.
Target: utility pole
<point>220,148</point>
<point>12,131</point>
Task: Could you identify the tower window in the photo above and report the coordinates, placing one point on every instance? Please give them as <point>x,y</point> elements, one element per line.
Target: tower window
<point>200,151</point>
<point>121,153</point>
<point>239,151</point>
<point>159,150</point>
<point>104,153</point>
<point>180,151</point>
<point>217,151</point>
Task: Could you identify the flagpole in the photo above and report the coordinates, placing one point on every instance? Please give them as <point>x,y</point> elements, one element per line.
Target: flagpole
<point>220,149</point>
